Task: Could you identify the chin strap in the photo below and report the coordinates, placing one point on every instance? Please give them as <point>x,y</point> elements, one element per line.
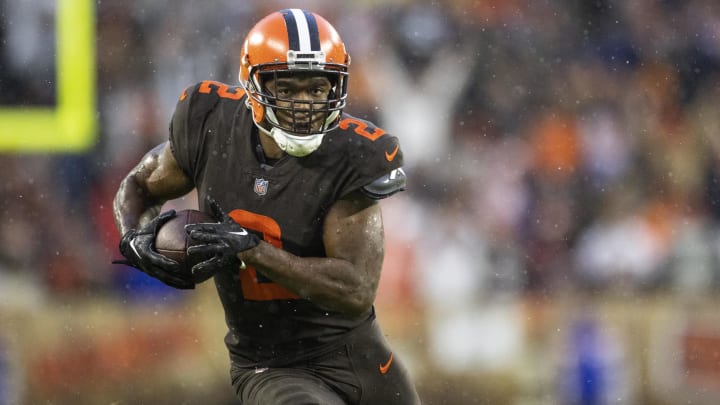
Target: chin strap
<point>295,145</point>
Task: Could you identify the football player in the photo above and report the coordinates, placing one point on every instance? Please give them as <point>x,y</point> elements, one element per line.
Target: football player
<point>293,182</point>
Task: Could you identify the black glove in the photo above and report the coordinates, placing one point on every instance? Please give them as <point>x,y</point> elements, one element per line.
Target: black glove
<point>138,247</point>
<point>222,240</point>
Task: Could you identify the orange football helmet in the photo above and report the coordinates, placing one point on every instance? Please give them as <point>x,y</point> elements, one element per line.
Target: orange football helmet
<point>286,42</point>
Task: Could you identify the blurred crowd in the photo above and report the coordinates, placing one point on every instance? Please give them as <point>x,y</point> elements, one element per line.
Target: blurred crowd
<point>551,146</point>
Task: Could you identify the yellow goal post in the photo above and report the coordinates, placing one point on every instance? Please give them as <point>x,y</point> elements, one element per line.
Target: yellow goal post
<point>70,126</point>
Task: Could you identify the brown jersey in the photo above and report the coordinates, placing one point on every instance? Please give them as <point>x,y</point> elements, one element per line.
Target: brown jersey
<point>214,140</point>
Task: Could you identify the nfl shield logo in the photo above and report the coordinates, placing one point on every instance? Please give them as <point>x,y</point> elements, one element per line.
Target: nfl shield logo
<point>261,186</point>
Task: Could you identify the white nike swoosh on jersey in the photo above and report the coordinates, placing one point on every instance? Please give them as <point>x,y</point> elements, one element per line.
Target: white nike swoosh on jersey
<point>241,233</point>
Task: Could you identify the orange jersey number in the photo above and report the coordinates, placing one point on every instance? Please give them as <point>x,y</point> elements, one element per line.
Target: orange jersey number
<point>361,128</point>
<point>253,287</point>
<point>222,90</point>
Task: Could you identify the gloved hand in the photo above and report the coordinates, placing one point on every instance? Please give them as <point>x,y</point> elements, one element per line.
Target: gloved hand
<point>138,247</point>
<point>222,240</point>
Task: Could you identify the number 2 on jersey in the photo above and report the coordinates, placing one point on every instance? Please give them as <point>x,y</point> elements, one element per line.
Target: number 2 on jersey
<point>253,287</point>
<point>361,128</point>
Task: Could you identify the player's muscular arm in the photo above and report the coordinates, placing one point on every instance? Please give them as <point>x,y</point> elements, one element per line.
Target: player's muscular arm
<point>156,179</point>
<point>347,279</point>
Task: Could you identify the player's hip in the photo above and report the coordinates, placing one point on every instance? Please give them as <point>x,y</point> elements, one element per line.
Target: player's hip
<point>362,370</point>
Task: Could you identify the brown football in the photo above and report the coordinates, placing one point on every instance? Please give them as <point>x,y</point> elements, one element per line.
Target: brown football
<point>172,241</point>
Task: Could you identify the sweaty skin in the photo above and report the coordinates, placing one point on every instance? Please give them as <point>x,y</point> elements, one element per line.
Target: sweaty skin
<point>346,280</point>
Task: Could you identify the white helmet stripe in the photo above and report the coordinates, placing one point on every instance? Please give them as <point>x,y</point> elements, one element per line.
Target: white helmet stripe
<point>303,30</point>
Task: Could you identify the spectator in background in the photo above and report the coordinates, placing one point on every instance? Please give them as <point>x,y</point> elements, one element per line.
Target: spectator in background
<point>425,66</point>
<point>629,87</point>
<point>588,65</point>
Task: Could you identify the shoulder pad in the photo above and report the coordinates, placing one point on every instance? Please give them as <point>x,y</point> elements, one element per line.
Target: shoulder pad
<point>197,101</point>
<point>386,185</point>
<point>193,111</point>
